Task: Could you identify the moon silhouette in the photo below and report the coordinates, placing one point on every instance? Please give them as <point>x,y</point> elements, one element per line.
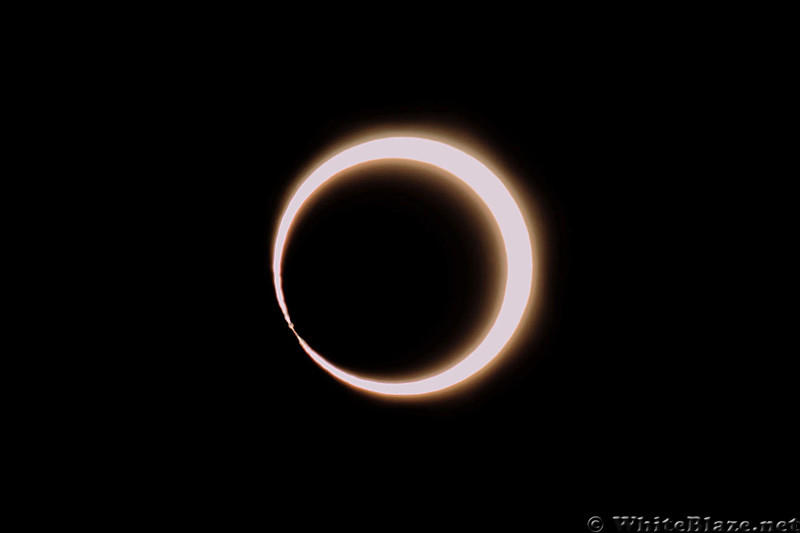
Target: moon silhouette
<point>513,230</point>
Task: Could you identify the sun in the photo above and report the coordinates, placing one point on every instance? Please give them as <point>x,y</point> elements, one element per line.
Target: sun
<point>513,230</point>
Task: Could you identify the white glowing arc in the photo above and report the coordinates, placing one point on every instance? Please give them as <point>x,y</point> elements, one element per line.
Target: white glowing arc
<point>516,241</point>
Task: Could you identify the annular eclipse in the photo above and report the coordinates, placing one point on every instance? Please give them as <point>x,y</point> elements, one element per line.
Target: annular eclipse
<point>517,245</point>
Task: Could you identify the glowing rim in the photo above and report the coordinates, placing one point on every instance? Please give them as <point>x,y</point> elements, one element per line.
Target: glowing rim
<point>510,221</point>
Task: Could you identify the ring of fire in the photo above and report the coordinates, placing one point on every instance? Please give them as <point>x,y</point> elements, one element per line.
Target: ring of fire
<point>510,221</point>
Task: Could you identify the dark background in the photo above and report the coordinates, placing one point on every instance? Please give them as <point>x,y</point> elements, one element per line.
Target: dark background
<point>651,384</point>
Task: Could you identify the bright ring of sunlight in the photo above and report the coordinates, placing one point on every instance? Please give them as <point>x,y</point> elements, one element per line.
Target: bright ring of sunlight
<point>516,241</point>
